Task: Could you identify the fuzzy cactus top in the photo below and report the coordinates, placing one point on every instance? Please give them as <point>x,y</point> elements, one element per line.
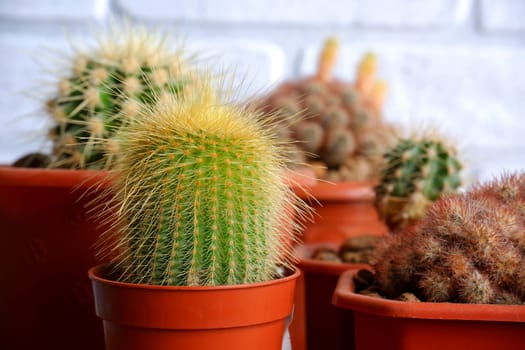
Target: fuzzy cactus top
<point>337,125</point>
<point>469,248</point>
<point>104,88</point>
<point>200,196</point>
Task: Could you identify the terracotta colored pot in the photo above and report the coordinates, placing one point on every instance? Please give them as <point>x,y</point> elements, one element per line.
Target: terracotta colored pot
<point>396,325</point>
<point>45,249</point>
<point>140,317</point>
<point>46,241</point>
<point>342,210</point>
<point>318,324</point>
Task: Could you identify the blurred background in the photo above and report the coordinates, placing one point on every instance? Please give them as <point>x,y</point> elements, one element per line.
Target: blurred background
<point>455,64</point>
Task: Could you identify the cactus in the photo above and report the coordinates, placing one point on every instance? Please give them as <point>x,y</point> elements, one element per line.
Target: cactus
<point>200,191</point>
<point>469,248</point>
<point>105,86</point>
<point>417,172</point>
<point>336,124</point>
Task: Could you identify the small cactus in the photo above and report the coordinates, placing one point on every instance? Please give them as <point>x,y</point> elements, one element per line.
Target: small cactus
<point>416,173</point>
<point>200,192</point>
<point>104,89</point>
<point>336,123</point>
<point>469,248</point>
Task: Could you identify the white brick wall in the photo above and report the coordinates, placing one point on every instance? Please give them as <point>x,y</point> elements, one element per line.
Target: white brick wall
<point>502,15</point>
<point>452,63</point>
<point>309,12</point>
<point>53,9</point>
<point>160,9</point>
<point>409,14</point>
<point>22,79</point>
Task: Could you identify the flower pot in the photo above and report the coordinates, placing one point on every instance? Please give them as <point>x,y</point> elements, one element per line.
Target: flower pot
<point>248,316</point>
<point>318,324</point>
<point>391,324</point>
<point>45,250</point>
<point>342,210</point>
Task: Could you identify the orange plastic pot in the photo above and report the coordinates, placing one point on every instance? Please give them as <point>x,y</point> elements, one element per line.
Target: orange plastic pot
<point>396,325</point>
<point>144,317</point>
<point>342,210</point>
<point>317,324</point>
<point>45,249</point>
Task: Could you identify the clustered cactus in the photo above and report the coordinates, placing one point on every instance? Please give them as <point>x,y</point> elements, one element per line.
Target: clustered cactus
<point>337,125</point>
<point>106,86</point>
<point>200,195</point>
<point>469,248</point>
<point>417,172</point>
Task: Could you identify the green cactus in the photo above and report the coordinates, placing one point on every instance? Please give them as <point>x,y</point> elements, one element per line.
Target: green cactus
<point>199,185</point>
<point>469,248</point>
<point>417,172</point>
<point>106,85</point>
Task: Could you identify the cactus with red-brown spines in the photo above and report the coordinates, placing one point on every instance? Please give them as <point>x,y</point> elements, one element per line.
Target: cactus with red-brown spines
<point>336,122</point>
<point>468,248</point>
<point>394,261</point>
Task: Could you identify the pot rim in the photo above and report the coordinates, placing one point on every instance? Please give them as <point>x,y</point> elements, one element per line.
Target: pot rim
<point>345,297</point>
<point>192,307</point>
<point>308,264</point>
<point>37,177</point>
<point>96,273</point>
<point>338,192</point>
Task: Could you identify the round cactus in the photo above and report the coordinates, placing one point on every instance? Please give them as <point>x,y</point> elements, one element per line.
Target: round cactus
<point>105,87</point>
<point>200,192</point>
<point>417,172</point>
<point>336,124</point>
<point>469,248</point>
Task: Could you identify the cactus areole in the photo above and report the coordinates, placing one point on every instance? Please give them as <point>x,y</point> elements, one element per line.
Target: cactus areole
<point>201,197</point>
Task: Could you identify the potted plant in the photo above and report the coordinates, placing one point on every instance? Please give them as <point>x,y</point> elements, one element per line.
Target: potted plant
<point>47,235</point>
<point>200,247</point>
<point>317,323</point>
<point>417,170</point>
<point>460,267</point>
<point>337,130</point>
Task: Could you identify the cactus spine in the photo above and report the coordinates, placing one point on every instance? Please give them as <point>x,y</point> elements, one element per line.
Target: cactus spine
<point>201,196</point>
<point>469,248</point>
<point>105,88</point>
<point>417,172</point>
